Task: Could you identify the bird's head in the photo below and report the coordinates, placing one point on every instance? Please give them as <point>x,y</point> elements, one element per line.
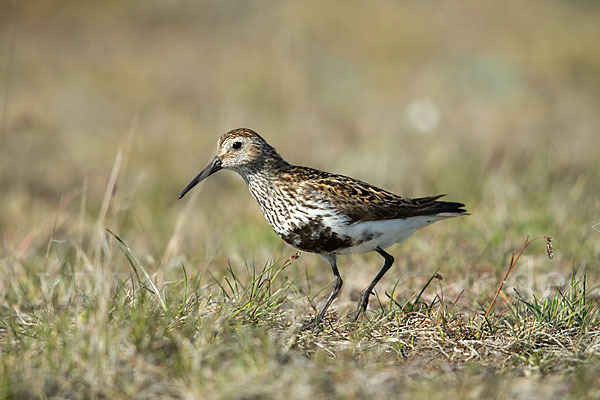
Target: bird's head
<point>241,150</point>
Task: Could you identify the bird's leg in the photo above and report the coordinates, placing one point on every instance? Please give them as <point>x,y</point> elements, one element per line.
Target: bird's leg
<point>364,296</point>
<point>332,259</point>
<point>336,288</point>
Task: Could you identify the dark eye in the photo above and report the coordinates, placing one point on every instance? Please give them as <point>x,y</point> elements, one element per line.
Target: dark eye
<point>236,145</point>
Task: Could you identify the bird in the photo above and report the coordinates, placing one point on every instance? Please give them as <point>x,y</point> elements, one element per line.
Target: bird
<point>322,212</point>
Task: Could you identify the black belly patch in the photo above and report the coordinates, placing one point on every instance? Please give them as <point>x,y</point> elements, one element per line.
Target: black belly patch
<point>315,237</point>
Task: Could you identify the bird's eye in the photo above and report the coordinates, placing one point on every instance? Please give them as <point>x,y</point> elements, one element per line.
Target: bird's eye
<point>236,145</point>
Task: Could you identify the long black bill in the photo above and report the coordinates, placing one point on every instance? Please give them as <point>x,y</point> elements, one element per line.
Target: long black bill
<point>210,169</point>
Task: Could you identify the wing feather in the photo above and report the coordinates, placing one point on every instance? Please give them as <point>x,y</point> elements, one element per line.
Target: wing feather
<point>361,202</point>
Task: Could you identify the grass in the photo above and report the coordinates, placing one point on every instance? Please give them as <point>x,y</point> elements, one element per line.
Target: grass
<point>112,288</point>
<point>124,335</point>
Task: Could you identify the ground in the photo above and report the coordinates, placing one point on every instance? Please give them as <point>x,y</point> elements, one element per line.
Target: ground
<point>111,287</point>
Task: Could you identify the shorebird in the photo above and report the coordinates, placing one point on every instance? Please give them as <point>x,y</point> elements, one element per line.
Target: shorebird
<point>324,213</point>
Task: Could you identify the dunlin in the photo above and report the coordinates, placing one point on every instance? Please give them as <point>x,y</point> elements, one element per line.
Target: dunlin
<point>321,212</point>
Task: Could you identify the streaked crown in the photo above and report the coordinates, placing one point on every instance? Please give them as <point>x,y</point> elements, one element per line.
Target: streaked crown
<point>244,151</point>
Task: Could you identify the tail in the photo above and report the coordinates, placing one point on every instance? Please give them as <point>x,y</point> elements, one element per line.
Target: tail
<point>444,209</point>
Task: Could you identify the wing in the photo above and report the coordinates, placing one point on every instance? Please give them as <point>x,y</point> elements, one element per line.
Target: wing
<point>360,201</point>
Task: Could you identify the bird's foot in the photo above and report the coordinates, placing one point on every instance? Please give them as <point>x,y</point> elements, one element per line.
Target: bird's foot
<point>316,324</point>
<point>309,325</point>
<point>362,304</point>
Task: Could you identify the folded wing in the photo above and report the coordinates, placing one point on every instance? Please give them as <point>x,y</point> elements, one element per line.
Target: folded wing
<point>361,202</point>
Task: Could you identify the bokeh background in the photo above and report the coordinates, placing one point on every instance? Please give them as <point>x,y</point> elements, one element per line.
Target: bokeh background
<point>109,108</point>
<point>494,103</point>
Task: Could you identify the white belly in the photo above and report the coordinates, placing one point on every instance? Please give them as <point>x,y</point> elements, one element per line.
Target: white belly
<point>372,234</point>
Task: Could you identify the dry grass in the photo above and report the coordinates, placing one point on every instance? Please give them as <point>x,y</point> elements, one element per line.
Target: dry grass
<point>108,109</point>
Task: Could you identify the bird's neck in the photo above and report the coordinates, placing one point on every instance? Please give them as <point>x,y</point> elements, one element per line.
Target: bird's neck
<point>265,182</point>
<point>265,170</point>
<point>264,176</point>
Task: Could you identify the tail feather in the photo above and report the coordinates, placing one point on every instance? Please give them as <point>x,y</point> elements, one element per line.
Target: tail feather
<point>431,206</point>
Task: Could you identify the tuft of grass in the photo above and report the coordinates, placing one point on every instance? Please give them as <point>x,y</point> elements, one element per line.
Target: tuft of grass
<point>568,308</point>
<point>136,265</point>
<point>513,262</point>
<point>258,300</point>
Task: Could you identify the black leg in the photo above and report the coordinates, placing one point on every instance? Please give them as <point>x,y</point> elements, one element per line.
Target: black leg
<point>332,259</point>
<point>336,288</point>
<point>364,296</point>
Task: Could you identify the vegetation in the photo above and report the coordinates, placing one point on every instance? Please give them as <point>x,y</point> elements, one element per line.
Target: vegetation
<point>112,288</point>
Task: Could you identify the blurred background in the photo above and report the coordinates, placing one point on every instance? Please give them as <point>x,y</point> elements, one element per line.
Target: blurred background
<point>494,103</point>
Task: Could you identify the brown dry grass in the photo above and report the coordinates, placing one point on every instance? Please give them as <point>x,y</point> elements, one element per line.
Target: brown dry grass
<point>332,86</point>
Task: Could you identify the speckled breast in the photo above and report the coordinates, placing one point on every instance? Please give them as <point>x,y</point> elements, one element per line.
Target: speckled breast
<point>302,224</point>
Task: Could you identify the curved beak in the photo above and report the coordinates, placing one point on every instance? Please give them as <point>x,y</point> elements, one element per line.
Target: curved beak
<point>210,169</point>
